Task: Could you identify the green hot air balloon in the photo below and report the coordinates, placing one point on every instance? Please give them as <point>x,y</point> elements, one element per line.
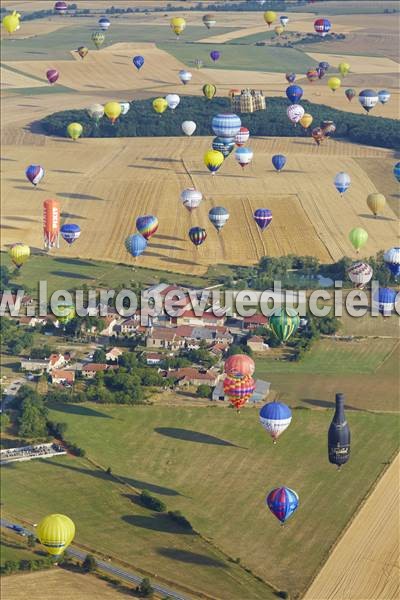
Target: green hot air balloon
<point>358,238</point>
<point>283,323</point>
<point>98,38</point>
<point>65,313</point>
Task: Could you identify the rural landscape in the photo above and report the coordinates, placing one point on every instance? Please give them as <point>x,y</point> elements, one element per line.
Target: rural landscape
<point>200,263</point>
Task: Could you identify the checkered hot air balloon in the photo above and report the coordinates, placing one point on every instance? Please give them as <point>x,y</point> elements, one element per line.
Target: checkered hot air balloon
<point>282,502</point>
<point>283,323</point>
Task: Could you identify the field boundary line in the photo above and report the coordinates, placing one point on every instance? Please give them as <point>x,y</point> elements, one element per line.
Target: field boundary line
<point>387,357</point>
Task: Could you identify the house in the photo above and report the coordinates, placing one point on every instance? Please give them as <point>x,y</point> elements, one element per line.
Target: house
<point>259,395</point>
<point>32,321</point>
<point>35,366</point>
<point>110,324</point>
<point>189,317</point>
<point>7,298</point>
<point>62,376</point>
<point>113,354</point>
<point>256,343</point>
<point>255,321</point>
<point>89,370</point>
<point>154,358</point>
<point>219,349</point>
<point>194,376</point>
<point>164,337</point>
<point>56,361</point>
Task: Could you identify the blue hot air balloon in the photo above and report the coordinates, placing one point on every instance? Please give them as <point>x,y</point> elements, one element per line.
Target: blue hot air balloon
<point>226,125</point>
<point>396,171</point>
<point>135,244</point>
<point>70,232</point>
<point>282,502</point>
<point>342,182</point>
<point>104,23</point>
<point>294,93</point>
<point>368,99</point>
<point>384,96</point>
<point>215,55</point>
<point>263,217</point>
<point>324,65</point>
<point>279,161</point>
<point>392,260</point>
<point>34,174</point>
<point>385,300</point>
<point>290,77</point>
<point>224,145</point>
<point>275,417</point>
<point>138,61</point>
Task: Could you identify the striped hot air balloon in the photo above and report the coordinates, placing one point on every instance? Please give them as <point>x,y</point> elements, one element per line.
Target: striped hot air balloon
<point>223,145</point>
<point>322,26</point>
<point>19,254</point>
<point>147,226</point>
<point>226,125</point>
<point>51,223</point>
<point>61,7</point>
<point>197,235</point>
<point>70,232</point>
<point>283,323</point>
<point>104,23</point>
<point>275,417</point>
<point>385,300</point>
<point>239,391</point>
<point>34,174</point>
<point>218,216</point>
<point>242,136</point>
<point>52,76</point>
<point>263,217</point>
<point>282,502</point>
<point>368,99</point>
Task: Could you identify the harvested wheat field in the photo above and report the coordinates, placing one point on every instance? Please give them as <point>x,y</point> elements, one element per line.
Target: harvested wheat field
<point>105,184</point>
<point>364,564</point>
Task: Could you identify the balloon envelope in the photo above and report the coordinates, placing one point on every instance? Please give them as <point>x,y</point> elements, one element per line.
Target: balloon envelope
<point>294,93</point>
<point>239,365</point>
<point>19,254</point>
<point>290,77</point>
<point>191,198</point>
<point>112,110</point>
<point>172,100</point>
<point>104,23</point>
<point>368,99</point>
<point>282,502</point>
<point>283,323</point>
<point>138,61</point>
<point>52,75</point>
<point>223,145</point>
<point>376,202</point>
<point>358,238</point>
<point>263,217</point>
<point>295,112</point>
<point>185,76</point>
<point>322,26</point>
<point>392,260</point>
<point>385,300</point>
<point>226,125</point>
<point>342,182</point>
<point>147,225</point>
<point>239,391</point>
<point>215,55</point>
<point>197,235</point>
<point>384,96</point>
<point>209,90</point>
<point>396,171</point>
<point>74,130</point>
<point>275,417</point>
<point>188,127</point>
<point>350,94</point>
<point>334,83</point>
<point>135,244</point>
<point>242,136</point>
<point>278,161</point>
<point>218,216</point>
<point>306,120</point>
<point>360,273</point>
<point>70,232</point>
<point>55,533</point>
<point>244,156</point>
<point>213,160</point>
<point>34,174</point>
<point>160,105</point>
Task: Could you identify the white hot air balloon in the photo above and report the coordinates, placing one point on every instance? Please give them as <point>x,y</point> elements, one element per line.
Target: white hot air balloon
<point>191,198</point>
<point>125,106</point>
<point>189,127</point>
<point>172,101</point>
<point>360,274</point>
<point>342,182</point>
<point>295,112</point>
<point>185,76</point>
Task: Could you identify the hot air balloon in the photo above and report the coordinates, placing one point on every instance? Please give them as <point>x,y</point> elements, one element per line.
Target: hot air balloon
<point>384,96</point>
<point>112,110</point>
<point>74,131</point>
<point>294,93</point>
<point>324,65</point>
<point>334,83</point>
<point>312,75</point>
<point>385,300</point>
<point>82,51</point>
<point>51,223</point>
<point>177,24</point>
<point>19,254</point>
<point>295,112</point>
<point>358,238</point>
<point>368,99</point>
<point>376,203</point>
<point>282,502</point>
<point>290,77</point>
<point>104,23</point>
<point>56,532</point>
<point>320,72</point>
<point>209,21</point>
<point>275,417</point>
<point>198,64</point>
<point>242,136</point>
<point>322,27</point>
<point>284,20</point>
<point>239,391</point>
<point>172,100</point>
<point>306,120</point>
<point>147,226</point>
<point>61,8</point>
<point>360,274</point>
<point>284,323</point>
<point>98,38</point>
<point>52,75</point>
<point>191,198</point>
<point>197,235</point>
<point>269,17</point>
<point>279,29</point>
<point>218,216</point>
<point>70,232</point>
<point>138,61</point>
<point>95,112</point>
<point>11,22</point>
<point>188,127</point>
<point>263,217</point>
<point>215,55</point>
<point>396,171</point>
<point>226,125</point>
<point>213,160</point>
<point>34,174</point>
<point>278,161</point>
<point>392,260</point>
<point>318,135</point>
<point>223,145</point>
<point>239,366</point>
<point>339,435</point>
<point>185,76</point>
<point>209,90</point>
<point>125,106</point>
<point>136,244</point>
<point>342,182</point>
<point>344,68</point>
<point>65,313</point>
<point>244,156</point>
<point>350,94</point>
<point>328,127</point>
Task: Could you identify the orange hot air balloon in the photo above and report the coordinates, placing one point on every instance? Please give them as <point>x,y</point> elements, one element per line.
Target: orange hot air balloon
<point>51,223</point>
<point>239,365</point>
<point>239,391</point>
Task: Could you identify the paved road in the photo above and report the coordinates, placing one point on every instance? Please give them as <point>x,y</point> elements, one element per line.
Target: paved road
<point>102,565</point>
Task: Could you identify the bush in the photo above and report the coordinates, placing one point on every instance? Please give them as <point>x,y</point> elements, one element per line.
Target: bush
<point>89,564</point>
<point>177,517</point>
<point>145,590</point>
<point>152,502</point>
<point>204,391</point>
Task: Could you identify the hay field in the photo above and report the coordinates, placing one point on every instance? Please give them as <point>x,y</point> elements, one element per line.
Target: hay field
<point>364,564</point>
<point>106,184</point>
<point>11,79</point>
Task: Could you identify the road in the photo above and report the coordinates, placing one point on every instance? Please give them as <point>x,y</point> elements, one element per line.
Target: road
<point>104,566</point>
<point>12,390</point>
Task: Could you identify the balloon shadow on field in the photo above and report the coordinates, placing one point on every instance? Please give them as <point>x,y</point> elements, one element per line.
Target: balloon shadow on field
<point>71,196</point>
<point>22,187</point>
<point>328,404</point>
<point>150,168</point>
<point>18,218</point>
<point>164,247</point>
<point>73,261</point>
<point>160,523</point>
<point>68,215</point>
<point>163,160</point>
<point>76,409</point>
<point>191,557</point>
<point>378,218</point>
<point>170,237</point>
<point>188,435</point>
<point>70,275</point>
<point>66,171</point>
<point>10,227</point>
<point>8,160</point>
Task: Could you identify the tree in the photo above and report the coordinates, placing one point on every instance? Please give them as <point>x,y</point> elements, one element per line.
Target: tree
<point>31,540</point>
<point>145,590</point>
<point>89,564</point>
<point>33,416</point>
<point>204,391</point>
<point>152,502</point>
<point>5,422</point>
<point>99,356</point>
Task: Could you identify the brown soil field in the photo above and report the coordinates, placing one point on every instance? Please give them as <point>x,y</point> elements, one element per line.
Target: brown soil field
<point>359,64</point>
<point>364,564</point>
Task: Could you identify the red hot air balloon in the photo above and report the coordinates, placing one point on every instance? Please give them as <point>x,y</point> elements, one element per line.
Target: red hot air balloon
<point>239,365</point>
<point>239,391</point>
<point>52,75</point>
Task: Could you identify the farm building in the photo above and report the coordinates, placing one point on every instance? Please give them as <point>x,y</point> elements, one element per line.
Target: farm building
<point>259,395</point>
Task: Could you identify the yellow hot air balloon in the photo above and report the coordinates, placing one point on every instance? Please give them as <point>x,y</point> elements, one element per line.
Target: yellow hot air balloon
<point>112,110</point>
<point>178,24</point>
<point>344,68</point>
<point>269,17</point>
<point>209,90</point>
<point>160,105</point>
<point>55,533</point>
<point>213,159</point>
<point>11,22</point>
<point>74,130</point>
<point>334,83</point>
<point>279,29</point>
<point>376,203</point>
<point>306,120</point>
<point>19,254</point>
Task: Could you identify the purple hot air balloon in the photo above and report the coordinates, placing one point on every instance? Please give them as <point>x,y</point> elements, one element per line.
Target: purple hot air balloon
<point>290,77</point>
<point>321,72</point>
<point>34,174</point>
<point>215,55</point>
<point>52,75</point>
<point>263,217</point>
<point>138,61</point>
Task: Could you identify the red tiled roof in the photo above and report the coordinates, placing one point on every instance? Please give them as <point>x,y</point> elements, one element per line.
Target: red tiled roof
<point>256,320</point>
<point>193,373</point>
<point>95,367</point>
<point>255,338</point>
<point>164,333</point>
<point>205,315</point>
<point>62,374</point>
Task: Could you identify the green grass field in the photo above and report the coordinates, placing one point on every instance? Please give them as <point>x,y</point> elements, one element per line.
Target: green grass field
<point>217,467</point>
<point>14,547</point>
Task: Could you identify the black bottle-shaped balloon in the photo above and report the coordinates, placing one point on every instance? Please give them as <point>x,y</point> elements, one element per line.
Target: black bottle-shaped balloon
<point>339,435</point>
